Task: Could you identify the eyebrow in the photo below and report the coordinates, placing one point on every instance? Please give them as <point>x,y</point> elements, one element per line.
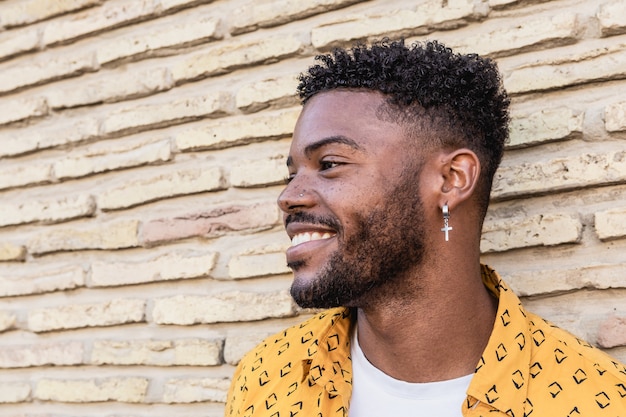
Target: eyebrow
<point>339,139</point>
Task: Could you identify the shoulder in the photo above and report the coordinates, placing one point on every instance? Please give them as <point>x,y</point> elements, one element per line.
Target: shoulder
<point>275,364</point>
<point>296,342</point>
<point>559,345</point>
<point>566,368</point>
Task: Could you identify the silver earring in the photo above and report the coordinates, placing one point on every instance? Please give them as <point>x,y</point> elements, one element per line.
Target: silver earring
<point>446,216</point>
<point>301,195</point>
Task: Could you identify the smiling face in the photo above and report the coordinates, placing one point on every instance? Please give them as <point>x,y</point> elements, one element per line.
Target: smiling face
<point>352,206</point>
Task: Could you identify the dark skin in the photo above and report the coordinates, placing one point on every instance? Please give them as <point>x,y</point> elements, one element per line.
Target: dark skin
<point>433,320</point>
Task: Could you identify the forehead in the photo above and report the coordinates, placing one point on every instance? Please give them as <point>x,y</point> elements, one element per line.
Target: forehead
<point>345,113</point>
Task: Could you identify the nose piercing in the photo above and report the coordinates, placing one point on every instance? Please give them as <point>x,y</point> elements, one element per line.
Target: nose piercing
<point>301,195</point>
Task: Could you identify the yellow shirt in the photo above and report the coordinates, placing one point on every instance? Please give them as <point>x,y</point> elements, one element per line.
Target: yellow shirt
<point>529,368</point>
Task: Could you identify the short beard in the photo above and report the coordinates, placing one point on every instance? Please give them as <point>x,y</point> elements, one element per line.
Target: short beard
<point>389,241</point>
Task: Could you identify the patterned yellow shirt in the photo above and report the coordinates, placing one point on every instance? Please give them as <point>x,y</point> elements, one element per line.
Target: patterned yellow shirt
<point>529,368</point>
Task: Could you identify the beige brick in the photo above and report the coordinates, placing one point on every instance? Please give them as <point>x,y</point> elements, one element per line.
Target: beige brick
<point>358,27</point>
<point>611,224</point>
<point>444,15</point>
<point>47,135</point>
<point>41,354</point>
<point>14,392</point>
<point>212,223</point>
<point>546,281</point>
<point>259,172</point>
<point>170,34</point>
<point>126,390</point>
<point>580,312</point>
<point>50,211</point>
<point>25,174</point>
<point>112,156</point>
<point>192,390</point>
<point>234,54</point>
<point>22,109</point>
<point>183,181</point>
<point>257,14</point>
<point>280,91</point>
<point>45,67</point>
<point>237,346</point>
<point>18,41</point>
<point>611,17</point>
<point>25,282</point>
<point>112,13</point>
<point>540,230</point>
<point>427,16</point>
<point>612,332</point>
<point>7,320</point>
<point>29,11</point>
<point>257,265</point>
<point>142,117</point>
<point>170,266</point>
<point>505,37</point>
<point>198,352</point>
<point>615,117</point>
<point>544,126</point>
<point>76,316</point>
<point>609,63</point>
<point>12,252</point>
<point>109,235</point>
<point>168,5</point>
<point>239,130</point>
<point>573,171</point>
<point>225,307</point>
<point>123,84</point>
<point>186,352</point>
<point>497,4</point>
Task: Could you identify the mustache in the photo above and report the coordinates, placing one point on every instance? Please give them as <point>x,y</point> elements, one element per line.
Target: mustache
<point>302,217</point>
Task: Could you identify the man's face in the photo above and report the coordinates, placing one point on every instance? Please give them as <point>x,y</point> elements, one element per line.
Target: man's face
<point>352,206</point>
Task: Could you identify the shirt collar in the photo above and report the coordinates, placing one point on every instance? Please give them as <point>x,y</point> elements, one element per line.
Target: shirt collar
<point>506,357</point>
<point>328,363</point>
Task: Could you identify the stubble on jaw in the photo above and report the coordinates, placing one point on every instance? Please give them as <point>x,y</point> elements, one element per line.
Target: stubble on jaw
<point>371,263</point>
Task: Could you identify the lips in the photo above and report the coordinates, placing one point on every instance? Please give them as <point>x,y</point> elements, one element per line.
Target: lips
<point>303,231</point>
<point>304,237</point>
<point>309,248</point>
<point>312,238</point>
<point>308,240</point>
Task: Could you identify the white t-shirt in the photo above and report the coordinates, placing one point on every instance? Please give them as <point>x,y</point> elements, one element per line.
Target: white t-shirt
<point>376,394</point>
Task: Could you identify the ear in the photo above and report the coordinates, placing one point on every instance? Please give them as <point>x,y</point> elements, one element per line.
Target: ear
<point>460,171</point>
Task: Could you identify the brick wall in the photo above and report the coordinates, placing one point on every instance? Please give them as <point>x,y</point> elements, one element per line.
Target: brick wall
<point>142,147</point>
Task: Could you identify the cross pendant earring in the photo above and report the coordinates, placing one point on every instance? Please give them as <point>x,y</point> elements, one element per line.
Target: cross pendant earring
<point>446,216</point>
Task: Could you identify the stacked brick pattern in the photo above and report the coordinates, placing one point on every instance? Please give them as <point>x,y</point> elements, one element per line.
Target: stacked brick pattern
<point>142,147</point>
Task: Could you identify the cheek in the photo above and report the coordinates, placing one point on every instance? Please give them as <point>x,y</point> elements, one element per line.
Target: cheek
<point>345,199</point>
<point>354,209</point>
<point>355,197</point>
<point>360,199</point>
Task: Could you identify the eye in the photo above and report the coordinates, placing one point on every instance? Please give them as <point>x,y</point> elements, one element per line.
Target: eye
<point>325,165</point>
<point>289,178</point>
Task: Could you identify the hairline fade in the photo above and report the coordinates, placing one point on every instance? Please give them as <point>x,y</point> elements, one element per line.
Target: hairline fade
<point>458,97</point>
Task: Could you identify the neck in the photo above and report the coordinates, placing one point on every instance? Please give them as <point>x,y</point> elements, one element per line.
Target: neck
<point>439,334</point>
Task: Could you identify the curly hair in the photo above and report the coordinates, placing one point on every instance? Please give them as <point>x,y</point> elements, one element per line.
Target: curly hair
<point>454,99</point>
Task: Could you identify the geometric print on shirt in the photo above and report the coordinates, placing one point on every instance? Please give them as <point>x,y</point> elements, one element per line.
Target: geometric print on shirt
<point>529,368</point>
<point>300,371</point>
<point>533,368</point>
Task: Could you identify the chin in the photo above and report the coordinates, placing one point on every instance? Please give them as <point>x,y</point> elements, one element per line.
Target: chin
<point>312,293</point>
<point>302,291</point>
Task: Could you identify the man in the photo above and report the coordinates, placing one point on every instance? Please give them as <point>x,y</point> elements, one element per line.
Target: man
<point>390,171</point>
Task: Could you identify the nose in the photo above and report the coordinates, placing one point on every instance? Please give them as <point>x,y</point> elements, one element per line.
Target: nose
<point>294,197</point>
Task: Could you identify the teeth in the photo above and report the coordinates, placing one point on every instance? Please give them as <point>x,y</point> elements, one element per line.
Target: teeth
<point>307,237</point>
